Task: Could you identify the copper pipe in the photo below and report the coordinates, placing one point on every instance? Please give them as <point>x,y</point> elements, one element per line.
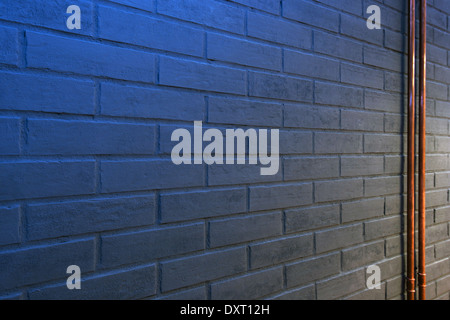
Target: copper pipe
<point>410,286</point>
<point>421,276</point>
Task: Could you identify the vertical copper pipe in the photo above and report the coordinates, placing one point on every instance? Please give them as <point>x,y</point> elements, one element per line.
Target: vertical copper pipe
<point>421,277</point>
<point>410,286</point>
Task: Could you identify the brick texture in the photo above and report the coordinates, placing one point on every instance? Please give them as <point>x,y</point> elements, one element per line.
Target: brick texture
<point>86,177</point>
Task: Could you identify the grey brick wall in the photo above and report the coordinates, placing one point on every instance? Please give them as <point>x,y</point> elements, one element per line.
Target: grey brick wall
<point>86,118</point>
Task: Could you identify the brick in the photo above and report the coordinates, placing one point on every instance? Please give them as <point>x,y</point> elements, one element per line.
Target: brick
<point>37,264</point>
<point>13,296</point>
<point>436,54</point>
<point>274,252</point>
<point>198,293</point>
<point>384,59</point>
<point>364,121</point>
<point>353,258</point>
<point>442,144</point>
<point>9,37</point>
<point>63,137</point>
<point>395,245</point>
<point>443,5</point>
<point>362,210</point>
<point>394,82</point>
<point>305,293</point>
<point>165,133</point>
<point>36,179</point>
<point>382,228</point>
<point>441,38</point>
<point>370,294</point>
<point>436,233</point>
<point>381,186</point>
<point>271,6</point>
<point>327,142</point>
<point>202,204</point>
<point>436,198</point>
<point>10,133</point>
<point>431,70</point>
<point>308,116</point>
<point>310,168</point>
<point>147,5</point>
<point>430,290</point>
<point>394,123</point>
<point>50,15</point>
<point>362,76</point>
<point>336,238</point>
<point>437,126</point>
<point>345,5</point>
<point>200,268</point>
<point>52,220</point>
<point>201,76</point>
<point>126,175</point>
<point>210,14</point>
<point>338,95</point>
<point>89,58</point>
<point>382,101</point>
<point>61,95</point>
<point>437,161</point>
<point>442,214</point>
<point>10,225</point>
<point>243,52</point>
<point>395,204</point>
<point>148,32</point>
<point>443,109</point>
<point>341,285</point>
<point>311,66</point>
<point>299,273</point>
<point>394,287</point>
<point>283,196</point>
<point>250,286</point>
<point>311,218</point>
<point>338,47</point>
<point>355,27</point>
<point>442,74</point>
<point>135,283</point>
<point>338,190</point>
<point>311,14</point>
<point>361,166</point>
<point>142,246</point>
<point>382,143</point>
<point>430,144</point>
<point>219,175</point>
<point>279,87</point>
<point>438,269</point>
<point>399,5</point>
<point>393,19</point>
<point>391,267</point>
<point>437,90</point>
<point>444,297</point>
<point>139,102</point>
<point>443,285</point>
<point>295,142</point>
<point>279,31</point>
<point>246,112</point>
<point>243,229</point>
<point>395,40</point>
<point>442,249</point>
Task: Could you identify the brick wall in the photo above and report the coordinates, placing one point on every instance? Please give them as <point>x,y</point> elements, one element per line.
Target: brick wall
<point>86,177</point>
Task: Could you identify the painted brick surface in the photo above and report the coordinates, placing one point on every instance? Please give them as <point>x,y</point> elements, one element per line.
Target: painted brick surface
<point>86,177</point>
